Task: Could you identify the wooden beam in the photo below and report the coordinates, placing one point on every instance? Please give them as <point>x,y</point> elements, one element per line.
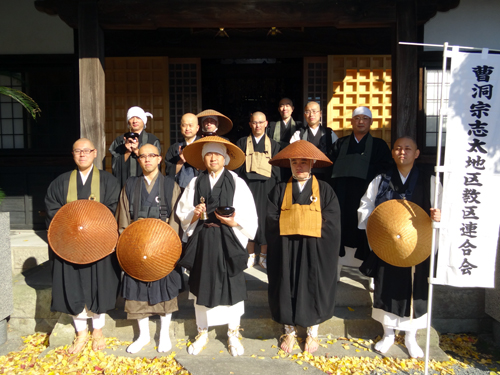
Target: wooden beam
<point>92,80</point>
<point>406,71</point>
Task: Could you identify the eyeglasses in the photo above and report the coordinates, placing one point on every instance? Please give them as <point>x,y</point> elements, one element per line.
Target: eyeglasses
<point>85,151</point>
<point>258,122</point>
<point>311,112</point>
<point>145,156</point>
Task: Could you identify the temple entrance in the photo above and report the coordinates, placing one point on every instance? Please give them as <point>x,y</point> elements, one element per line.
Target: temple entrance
<point>239,87</point>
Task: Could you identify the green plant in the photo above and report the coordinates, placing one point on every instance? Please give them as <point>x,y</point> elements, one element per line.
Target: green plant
<point>26,101</point>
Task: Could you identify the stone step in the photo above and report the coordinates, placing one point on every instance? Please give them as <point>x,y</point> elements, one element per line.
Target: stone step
<point>352,317</point>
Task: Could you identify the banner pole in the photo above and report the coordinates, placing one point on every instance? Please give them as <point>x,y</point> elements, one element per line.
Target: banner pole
<point>435,205</point>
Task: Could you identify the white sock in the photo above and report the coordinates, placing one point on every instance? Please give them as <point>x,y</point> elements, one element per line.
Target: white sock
<point>80,324</point>
<point>201,341</point>
<point>412,346</point>
<point>98,321</point>
<point>143,338</point>
<point>234,343</point>
<point>387,341</point>
<point>165,344</point>
<point>313,331</point>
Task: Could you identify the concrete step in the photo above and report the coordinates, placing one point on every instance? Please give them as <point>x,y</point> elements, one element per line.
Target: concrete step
<point>352,317</point>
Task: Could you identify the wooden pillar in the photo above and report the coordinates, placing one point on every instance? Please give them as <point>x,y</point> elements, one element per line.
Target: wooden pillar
<point>406,71</point>
<point>92,80</point>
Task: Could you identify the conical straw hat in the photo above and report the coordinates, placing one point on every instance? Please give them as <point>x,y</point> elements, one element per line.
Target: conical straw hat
<point>225,124</point>
<point>192,152</point>
<point>83,231</point>
<point>400,233</point>
<point>148,249</point>
<point>300,150</point>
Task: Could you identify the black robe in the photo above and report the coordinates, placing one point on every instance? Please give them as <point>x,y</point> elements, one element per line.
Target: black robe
<point>302,270</point>
<point>213,253</point>
<point>171,159</point>
<point>350,190</point>
<point>393,285</point>
<point>94,285</point>
<point>120,167</point>
<point>169,286</point>
<point>259,185</point>
<point>285,132</point>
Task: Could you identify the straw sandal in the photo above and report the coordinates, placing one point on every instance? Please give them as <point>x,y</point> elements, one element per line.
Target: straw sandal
<point>199,344</point>
<point>263,260</point>
<point>78,343</point>
<point>312,344</point>
<point>98,342</point>
<point>288,342</point>
<point>233,342</point>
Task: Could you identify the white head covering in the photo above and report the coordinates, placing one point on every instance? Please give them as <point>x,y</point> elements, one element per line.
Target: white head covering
<point>362,111</point>
<point>215,147</point>
<point>138,112</point>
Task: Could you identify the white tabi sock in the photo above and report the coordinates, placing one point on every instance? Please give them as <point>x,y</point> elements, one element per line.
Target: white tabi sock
<point>165,344</point>
<point>412,346</point>
<point>143,338</point>
<point>233,342</point>
<point>201,341</point>
<point>387,341</point>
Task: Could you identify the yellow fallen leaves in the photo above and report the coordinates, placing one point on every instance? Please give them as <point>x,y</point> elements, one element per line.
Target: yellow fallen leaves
<point>57,361</point>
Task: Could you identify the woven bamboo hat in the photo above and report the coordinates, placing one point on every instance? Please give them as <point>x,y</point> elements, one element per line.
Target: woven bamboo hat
<point>225,124</point>
<point>192,152</point>
<point>300,150</point>
<point>400,233</point>
<point>83,231</point>
<point>148,249</point>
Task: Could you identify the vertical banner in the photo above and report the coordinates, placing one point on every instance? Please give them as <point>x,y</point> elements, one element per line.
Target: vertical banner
<point>471,204</point>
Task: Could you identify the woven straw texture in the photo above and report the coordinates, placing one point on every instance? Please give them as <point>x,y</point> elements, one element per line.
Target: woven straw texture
<point>300,150</point>
<point>148,249</point>
<point>225,124</point>
<point>83,232</point>
<point>192,153</point>
<point>400,233</point>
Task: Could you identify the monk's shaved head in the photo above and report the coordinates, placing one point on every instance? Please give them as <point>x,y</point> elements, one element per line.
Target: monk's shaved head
<point>148,148</point>
<point>84,140</point>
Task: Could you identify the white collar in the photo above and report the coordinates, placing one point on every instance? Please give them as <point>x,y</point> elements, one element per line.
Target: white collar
<point>84,178</point>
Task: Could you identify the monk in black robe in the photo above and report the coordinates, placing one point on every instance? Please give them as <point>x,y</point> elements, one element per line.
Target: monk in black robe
<point>125,148</point>
<point>357,159</point>
<point>260,177</point>
<point>175,162</point>
<point>396,292</point>
<point>142,197</point>
<point>84,290</point>
<point>303,234</point>
<point>320,136</point>
<point>215,250</point>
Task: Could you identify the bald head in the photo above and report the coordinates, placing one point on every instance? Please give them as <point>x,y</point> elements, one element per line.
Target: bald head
<point>85,140</point>
<point>189,126</point>
<point>149,159</point>
<point>258,124</point>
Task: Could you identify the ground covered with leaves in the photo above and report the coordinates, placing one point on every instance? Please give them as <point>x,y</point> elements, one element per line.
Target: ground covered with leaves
<point>467,354</point>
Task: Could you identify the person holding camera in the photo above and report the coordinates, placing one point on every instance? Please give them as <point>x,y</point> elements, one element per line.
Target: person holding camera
<point>125,149</point>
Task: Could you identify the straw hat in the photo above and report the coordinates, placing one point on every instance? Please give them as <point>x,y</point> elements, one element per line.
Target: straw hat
<point>83,231</point>
<point>192,153</point>
<point>225,124</point>
<point>300,150</point>
<point>400,233</point>
<point>148,249</point>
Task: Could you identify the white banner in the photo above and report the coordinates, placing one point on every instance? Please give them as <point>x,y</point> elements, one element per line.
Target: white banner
<point>471,205</point>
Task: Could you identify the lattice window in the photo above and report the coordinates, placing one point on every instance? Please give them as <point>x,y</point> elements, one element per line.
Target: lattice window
<point>141,81</point>
<point>11,117</point>
<point>316,82</point>
<point>184,90</point>
<point>360,81</point>
<point>432,103</point>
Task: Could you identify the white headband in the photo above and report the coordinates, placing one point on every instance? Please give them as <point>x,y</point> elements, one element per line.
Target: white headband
<point>217,148</point>
<point>362,111</point>
<point>138,112</point>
